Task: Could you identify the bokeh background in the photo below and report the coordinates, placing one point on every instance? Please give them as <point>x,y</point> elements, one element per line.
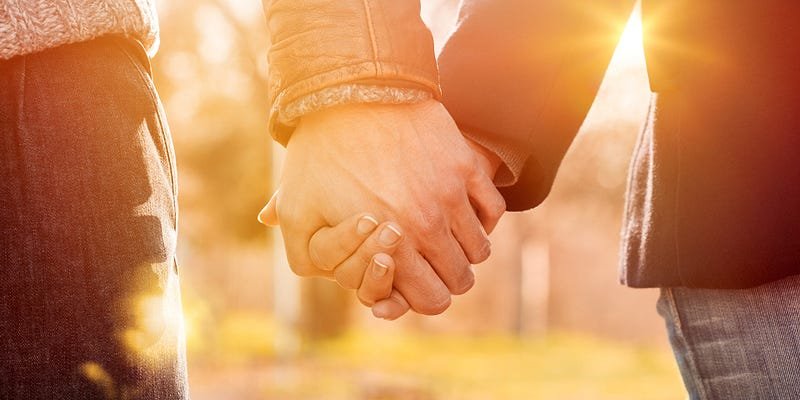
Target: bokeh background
<point>546,319</point>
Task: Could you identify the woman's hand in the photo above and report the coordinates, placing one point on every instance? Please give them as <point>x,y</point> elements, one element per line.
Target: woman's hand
<point>357,253</point>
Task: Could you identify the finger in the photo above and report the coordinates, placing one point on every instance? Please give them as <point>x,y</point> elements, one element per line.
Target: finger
<point>297,228</point>
<point>392,308</point>
<point>487,200</point>
<point>377,282</point>
<point>444,254</point>
<point>385,239</point>
<point>331,245</point>
<point>469,232</point>
<point>418,283</point>
<point>269,214</point>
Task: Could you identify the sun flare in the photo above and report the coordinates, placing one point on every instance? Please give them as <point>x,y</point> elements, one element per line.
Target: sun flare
<point>630,46</point>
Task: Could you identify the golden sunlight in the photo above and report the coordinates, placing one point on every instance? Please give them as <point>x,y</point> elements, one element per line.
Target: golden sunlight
<point>630,48</point>
<point>158,321</point>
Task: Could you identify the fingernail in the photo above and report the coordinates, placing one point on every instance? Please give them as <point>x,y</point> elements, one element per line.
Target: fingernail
<point>366,225</point>
<point>379,269</point>
<point>389,235</point>
<point>381,310</point>
<point>261,215</point>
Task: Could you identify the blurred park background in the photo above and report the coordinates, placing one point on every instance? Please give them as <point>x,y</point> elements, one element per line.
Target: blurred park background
<point>546,319</point>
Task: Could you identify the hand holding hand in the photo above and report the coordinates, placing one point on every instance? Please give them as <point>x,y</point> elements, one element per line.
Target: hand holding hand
<point>408,164</point>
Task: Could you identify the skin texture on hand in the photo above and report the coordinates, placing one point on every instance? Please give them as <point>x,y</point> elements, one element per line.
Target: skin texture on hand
<point>403,163</point>
<point>359,250</point>
<point>488,161</point>
<point>395,306</point>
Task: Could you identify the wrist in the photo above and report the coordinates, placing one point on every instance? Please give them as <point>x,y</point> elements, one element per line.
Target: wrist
<point>342,125</point>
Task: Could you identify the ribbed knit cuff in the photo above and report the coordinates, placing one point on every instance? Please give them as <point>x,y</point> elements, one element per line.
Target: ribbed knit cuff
<point>513,157</point>
<point>350,94</point>
<point>32,26</point>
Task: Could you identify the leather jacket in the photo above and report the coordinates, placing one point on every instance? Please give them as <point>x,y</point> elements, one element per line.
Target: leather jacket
<point>322,43</point>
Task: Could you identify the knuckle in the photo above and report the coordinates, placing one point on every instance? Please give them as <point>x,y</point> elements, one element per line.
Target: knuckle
<point>464,283</point>
<point>498,206</point>
<point>485,252</point>
<point>436,306</point>
<point>493,207</point>
<point>482,253</point>
<point>430,223</point>
<point>452,188</point>
<point>453,197</point>
<point>465,165</point>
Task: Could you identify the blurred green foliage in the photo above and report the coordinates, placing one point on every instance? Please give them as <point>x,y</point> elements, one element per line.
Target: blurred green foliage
<point>210,72</point>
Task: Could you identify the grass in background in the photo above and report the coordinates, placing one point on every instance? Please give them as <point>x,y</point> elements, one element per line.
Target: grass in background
<point>359,366</point>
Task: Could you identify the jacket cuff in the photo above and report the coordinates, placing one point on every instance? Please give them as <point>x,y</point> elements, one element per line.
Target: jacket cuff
<point>349,94</point>
<point>321,44</point>
<point>416,81</point>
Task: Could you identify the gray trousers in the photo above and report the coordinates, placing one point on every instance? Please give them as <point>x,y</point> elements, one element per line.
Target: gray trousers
<point>736,344</point>
<point>89,292</point>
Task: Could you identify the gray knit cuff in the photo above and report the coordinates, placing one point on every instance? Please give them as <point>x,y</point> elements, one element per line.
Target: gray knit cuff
<point>513,157</point>
<point>350,94</point>
<point>31,26</point>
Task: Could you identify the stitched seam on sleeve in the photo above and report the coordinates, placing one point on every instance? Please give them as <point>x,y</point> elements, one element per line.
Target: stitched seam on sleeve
<point>372,38</point>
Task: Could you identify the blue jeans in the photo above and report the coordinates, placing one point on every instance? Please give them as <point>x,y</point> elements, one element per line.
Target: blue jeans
<point>89,293</point>
<point>736,344</point>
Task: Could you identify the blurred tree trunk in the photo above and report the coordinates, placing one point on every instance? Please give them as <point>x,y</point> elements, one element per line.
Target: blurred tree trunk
<point>324,310</point>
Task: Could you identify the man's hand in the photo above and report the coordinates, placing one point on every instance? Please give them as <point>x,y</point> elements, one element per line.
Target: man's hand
<point>404,163</point>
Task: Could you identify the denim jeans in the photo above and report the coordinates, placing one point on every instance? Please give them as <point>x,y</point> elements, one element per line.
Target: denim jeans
<point>736,344</point>
<point>89,293</point>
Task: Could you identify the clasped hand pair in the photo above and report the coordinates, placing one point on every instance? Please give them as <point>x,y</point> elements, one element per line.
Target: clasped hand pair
<point>389,200</point>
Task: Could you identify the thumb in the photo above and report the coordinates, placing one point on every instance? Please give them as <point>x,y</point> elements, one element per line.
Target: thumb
<point>269,214</point>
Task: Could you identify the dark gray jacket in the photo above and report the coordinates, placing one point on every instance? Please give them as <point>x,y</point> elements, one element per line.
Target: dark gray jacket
<point>714,195</point>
